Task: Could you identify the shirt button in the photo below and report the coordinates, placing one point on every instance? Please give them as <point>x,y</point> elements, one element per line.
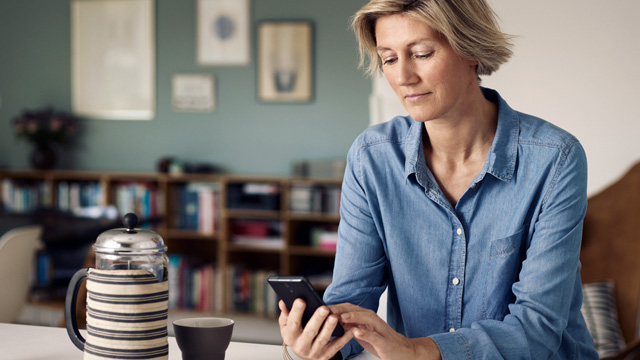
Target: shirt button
<point>473,185</point>
<point>452,330</point>
<point>459,231</point>
<point>456,281</point>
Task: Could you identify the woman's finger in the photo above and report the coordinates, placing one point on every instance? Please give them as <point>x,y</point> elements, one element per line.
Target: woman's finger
<point>284,314</point>
<point>361,316</point>
<point>293,327</point>
<point>324,336</point>
<point>344,307</point>
<point>336,344</point>
<point>314,325</point>
<point>282,322</point>
<point>367,335</point>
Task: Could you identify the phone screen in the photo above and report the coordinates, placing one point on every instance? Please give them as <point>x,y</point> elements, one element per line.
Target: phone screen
<point>290,288</point>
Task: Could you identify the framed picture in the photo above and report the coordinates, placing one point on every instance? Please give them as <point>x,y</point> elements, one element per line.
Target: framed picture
<point>193,93</point>
<point>113,59</point>
<point>223,32</point>
<point>285,67</point>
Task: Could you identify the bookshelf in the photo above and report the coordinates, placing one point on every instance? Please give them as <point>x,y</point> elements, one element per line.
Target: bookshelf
<point>228,230</point>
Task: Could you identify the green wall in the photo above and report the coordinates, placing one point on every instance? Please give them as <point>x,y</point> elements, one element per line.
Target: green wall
<point>241,136</point>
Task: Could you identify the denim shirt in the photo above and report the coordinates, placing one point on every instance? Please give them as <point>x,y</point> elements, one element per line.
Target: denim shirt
<point>497,275</point>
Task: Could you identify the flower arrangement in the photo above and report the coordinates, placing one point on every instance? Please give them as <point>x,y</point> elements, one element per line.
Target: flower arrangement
<point>45,126</point>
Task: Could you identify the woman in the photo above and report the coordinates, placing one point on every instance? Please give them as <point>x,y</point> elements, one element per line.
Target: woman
<point>469,212</point>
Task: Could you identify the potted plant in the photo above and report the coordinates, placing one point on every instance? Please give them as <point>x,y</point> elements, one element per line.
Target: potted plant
<point>44,129</point>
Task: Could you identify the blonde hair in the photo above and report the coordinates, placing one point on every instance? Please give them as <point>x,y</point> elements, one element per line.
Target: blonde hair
<point>470,27</point>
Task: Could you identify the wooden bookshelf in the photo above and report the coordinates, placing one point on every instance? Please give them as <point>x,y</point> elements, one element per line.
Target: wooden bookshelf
<point>217,243</point>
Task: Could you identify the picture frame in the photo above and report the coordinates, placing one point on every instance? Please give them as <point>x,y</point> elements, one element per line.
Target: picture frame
<point>193,93</point>
<point>285,61</point>
<point>223,32</point>
<point>113,59</point>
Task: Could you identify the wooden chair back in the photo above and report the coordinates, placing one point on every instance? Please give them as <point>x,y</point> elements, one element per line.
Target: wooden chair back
<point>611,245</point>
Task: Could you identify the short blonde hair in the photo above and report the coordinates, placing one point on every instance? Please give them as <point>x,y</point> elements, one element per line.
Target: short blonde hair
<point>470,26</point>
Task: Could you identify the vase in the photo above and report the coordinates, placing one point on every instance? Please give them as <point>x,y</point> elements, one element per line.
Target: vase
<point>43,156</point>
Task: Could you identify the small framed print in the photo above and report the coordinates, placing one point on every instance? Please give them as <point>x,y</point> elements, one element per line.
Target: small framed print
<point>193,93</point>
<point>223,32</point>
<point>285,68</point>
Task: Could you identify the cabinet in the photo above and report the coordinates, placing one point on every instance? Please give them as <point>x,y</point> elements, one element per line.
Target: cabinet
<point>225,233</point>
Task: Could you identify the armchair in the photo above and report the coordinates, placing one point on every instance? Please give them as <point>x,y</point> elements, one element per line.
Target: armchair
<point>611,253</point>
<point>17,250</point>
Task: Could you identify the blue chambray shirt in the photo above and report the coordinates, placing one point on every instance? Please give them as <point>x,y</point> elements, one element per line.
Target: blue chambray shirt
<point>496,276</point>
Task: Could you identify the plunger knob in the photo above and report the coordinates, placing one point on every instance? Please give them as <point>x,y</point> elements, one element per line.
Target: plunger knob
<point>130,221</point>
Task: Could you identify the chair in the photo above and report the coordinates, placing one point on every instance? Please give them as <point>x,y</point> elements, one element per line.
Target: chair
<point>611,252</point>
<point>17,250</point>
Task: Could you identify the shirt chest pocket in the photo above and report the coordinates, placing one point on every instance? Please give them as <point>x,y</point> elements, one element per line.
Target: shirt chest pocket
<point>501,272</point>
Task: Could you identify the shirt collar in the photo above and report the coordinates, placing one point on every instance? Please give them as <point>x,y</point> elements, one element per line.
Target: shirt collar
<point>501,159</point>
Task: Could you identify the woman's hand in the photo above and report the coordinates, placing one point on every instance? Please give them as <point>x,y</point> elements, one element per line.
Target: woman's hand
<point>314,341</point>
<point>377,337</point>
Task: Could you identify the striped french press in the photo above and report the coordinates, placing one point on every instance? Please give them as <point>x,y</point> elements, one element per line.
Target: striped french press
<point>127,297</point>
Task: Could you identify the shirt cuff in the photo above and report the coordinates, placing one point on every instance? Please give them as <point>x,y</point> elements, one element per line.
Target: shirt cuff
<point>452,346</point>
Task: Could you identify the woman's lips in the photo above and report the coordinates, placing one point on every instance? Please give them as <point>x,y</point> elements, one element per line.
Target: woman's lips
<point>416,97</point>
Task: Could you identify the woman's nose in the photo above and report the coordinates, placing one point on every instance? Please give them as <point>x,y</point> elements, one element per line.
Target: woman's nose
<point>406,73</point>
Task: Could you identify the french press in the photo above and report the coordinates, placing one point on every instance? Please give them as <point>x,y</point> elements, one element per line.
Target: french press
<point>127,296</point>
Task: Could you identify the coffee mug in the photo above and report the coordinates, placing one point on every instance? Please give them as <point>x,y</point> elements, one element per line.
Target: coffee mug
<point>203,338</point>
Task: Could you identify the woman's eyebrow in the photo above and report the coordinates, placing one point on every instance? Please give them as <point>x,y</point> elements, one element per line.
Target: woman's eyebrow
<point>409,45</point>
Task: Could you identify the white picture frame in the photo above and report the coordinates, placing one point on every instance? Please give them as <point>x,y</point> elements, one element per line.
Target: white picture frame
<point>193,93</point>
<point>285,61</point>
<point>113,59</point>
<point>223,32</point>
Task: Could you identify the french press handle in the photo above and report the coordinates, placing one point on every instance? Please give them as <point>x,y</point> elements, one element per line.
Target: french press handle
<point>70,302</point>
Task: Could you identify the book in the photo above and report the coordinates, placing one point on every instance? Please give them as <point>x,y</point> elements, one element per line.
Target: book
<point>139,197</point>
<point>250,292</point>
<point>193,285</point>
<point>322,199</point>
<point>198,205</point>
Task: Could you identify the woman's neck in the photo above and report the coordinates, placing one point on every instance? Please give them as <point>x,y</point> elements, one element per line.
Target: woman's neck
<point>467,137</point>
<point>455,149</point>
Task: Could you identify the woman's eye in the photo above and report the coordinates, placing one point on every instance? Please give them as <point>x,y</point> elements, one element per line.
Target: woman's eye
<point>388,61</point>
<point>423,56</point>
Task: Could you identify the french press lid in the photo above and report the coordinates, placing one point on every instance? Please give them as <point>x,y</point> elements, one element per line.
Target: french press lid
<point>129,240</point>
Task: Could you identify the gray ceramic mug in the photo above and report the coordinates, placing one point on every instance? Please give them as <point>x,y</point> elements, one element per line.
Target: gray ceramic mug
<point>204,338</point>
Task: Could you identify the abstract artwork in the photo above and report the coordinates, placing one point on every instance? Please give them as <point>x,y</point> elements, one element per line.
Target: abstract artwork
<point>113,59</point>
<point>285,61</point>
<point>223,32</point>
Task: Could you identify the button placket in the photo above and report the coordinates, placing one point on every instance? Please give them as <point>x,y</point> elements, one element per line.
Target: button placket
<point>457,267</point>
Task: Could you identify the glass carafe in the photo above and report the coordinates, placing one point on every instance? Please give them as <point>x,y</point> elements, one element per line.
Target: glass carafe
<point>130,248</point>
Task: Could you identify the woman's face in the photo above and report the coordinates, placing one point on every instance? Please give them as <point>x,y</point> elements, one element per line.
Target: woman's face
<point>430,78</point>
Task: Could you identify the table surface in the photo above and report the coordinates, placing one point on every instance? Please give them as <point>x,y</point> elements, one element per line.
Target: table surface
<point>27,342</point>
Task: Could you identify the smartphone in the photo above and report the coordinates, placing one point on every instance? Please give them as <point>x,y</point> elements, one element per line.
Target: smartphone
<point>290,288</point>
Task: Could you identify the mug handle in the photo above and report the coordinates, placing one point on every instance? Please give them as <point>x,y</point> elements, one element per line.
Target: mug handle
<point>70,302</point>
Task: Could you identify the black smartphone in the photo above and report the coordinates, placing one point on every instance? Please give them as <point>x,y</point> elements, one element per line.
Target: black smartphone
<point>290,288</point>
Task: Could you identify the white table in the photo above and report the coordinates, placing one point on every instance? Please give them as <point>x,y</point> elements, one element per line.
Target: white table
<point>27,342</point>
